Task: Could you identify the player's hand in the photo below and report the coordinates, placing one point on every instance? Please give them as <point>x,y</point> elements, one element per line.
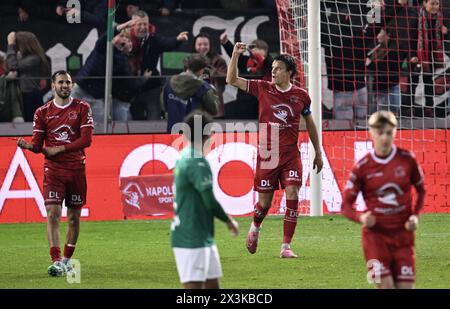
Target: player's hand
<point>412,223</point>
<point>52,151</point>
<point>182,36</point>
<point>23,144</point>
<point>367,219</point>
<point>444,30</point>
<point>239,48</point>
<point>223,38</point>
<point>414,60</point>
<point>127,24</point>
<point>318,162</point>
<point>233,226</point>
<point>60,10</point>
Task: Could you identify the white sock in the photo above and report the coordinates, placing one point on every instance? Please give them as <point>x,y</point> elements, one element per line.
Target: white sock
<point>285,246</point>
<point>253,228</point>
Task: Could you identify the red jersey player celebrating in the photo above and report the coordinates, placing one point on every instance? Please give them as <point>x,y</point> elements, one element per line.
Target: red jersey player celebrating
<point>280,106</point>
<point>385,177</point>
<point>65,125</point>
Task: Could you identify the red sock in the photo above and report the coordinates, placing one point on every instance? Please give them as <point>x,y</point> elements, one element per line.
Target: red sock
<point>55,253</point>
<point>68,250</point>
<point>290,220</point>
<point>259,215</point>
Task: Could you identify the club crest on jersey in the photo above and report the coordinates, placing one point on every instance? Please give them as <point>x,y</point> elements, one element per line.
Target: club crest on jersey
<point>63,132</point>
<point>282,111</point>
<point>294,99</point>
<point>400,171</point>
<point>73,115</point>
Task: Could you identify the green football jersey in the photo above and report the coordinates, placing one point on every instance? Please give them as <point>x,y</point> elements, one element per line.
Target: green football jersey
<point>193,223</point>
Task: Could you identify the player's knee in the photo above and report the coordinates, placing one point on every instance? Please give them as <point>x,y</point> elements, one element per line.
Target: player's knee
<point>53,213</point>
<point>265,204</point>
<point>74,220</point>
<point>291,193</point>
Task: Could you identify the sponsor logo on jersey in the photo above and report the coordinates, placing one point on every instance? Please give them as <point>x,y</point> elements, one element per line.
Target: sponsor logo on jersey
<point>265,183</point>
<point>373,175</point>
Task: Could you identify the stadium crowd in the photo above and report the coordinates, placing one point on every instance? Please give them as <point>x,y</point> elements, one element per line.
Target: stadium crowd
<point>369,65</point>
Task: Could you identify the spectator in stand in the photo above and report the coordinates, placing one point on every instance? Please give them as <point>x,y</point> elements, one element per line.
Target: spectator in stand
<point>186,92</point>
<point>344,57</point>
<point>26,56</point>
<point>430,54</point>
<point>256,65</point>
<point>217,67</point>
<point>391,43</point>
<point>92,89</point>
<point>147,48</point>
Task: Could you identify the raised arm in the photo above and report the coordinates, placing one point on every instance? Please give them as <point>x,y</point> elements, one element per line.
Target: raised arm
<point>232,72</point>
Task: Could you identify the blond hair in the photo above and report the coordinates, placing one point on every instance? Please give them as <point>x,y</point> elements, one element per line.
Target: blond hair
<point>381,118</point>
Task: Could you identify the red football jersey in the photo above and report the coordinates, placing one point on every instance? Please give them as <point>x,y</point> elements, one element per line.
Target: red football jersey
<point>280,109</point>
<point>386,186</point>
<point>61,125</point>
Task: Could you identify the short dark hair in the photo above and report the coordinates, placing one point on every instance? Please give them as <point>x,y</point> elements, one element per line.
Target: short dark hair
<point>261,44</point>
<point>289,61</point>
<point>196,62</point>
<point>195,117</point>
<point>60,72</point>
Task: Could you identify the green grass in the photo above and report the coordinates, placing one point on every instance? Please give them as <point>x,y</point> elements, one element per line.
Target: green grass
<point>137,254</point>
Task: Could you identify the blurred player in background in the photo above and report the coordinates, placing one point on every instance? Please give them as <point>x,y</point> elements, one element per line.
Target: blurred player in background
<point>65,125</point>
<point>385,177</point>
<point>195,207</point>
<point>280,106</point>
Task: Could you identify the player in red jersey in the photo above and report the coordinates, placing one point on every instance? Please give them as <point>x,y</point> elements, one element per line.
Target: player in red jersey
<point>280,106</point>
<point>65,125</point>
<point>385,177</point>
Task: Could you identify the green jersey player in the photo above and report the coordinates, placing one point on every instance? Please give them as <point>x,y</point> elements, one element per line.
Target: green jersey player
<point>195,207</point>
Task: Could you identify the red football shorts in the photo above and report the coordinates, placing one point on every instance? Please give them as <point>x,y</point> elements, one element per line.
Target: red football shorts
<point>288,172</point>
<point>65,185</point>
<point>390,254</point>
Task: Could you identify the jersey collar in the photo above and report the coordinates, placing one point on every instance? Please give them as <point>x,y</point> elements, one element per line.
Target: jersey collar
<point>63,107</point>
<point>281,90</point>
<point>384,160</point>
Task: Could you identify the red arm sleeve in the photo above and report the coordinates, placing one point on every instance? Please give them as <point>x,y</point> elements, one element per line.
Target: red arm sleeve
<point>82,142</point>
<point>351,191</point>
<point>86,129</point>
<point>39,130</point>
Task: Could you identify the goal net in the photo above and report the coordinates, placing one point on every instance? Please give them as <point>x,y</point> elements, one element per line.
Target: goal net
<point>375,55</point>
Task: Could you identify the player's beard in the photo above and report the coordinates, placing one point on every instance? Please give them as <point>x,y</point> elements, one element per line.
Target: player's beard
<point>63,94</point>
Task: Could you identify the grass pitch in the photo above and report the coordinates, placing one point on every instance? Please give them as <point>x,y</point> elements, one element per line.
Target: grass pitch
<point>137,254</point>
